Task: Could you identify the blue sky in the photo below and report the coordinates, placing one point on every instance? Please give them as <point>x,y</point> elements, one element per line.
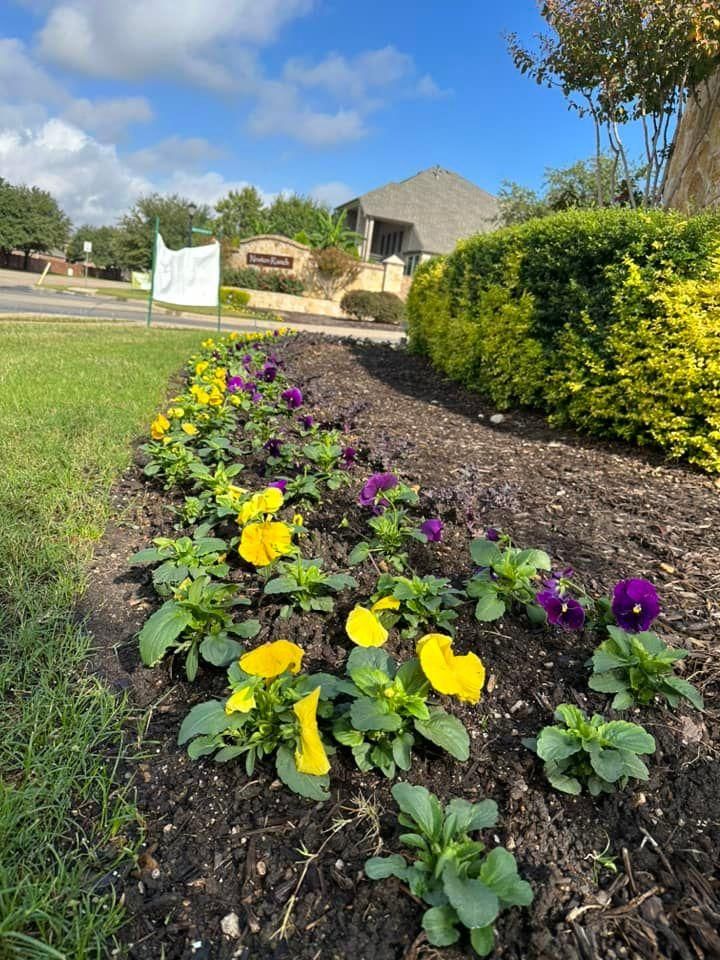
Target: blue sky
<point>101,101</point>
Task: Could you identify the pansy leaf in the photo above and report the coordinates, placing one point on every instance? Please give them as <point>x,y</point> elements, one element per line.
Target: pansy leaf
<point>402,750</point>
<point>533,558</point>
<point>484,553</point>
<point>370,657</point>
<point>499,872</point>
<point>205,718</point>
<point>607,683</point>
<point>281,585</point>
<point>304,784</point>
<point>628,736</point>
<point>446,732</point>
<point>685,689</point>
<point>201,747</point>
<point>161,631</point>
<point>368,714</point>
<point>151,555</point>
<point>633,766</point>
<point>420,805</point>
<point>191,662</point>
<point>622,700</point>
<point>330,685</point>
<point>553,743</point>
<point>482,940</point>
<point>411,677</point>
<point>360,553</point>
<point>220,650</point>
<point>245,629</point>
<point>561,781</point>
<point>380,868</point>
<point>607,763</point>
<point>440,926</point>
<point>476,904</point>
<point>489,606</point>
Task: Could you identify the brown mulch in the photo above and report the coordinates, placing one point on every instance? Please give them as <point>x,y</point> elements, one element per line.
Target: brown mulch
<point>219,843</point>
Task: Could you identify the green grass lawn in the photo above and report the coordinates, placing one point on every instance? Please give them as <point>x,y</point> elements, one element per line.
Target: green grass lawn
<point>72,397</point>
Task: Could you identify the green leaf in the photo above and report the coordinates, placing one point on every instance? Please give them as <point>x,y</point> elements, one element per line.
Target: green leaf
<point>220,650</point>
<point>360,553</point>
<point>245,629</point>
<point>554,743</point>
<point>201,747</point>
<point>439,924</point>
<point>623,700</point>
<point>341,581</point>
<point>446,732</point>
<point>607,683</point>
<point>380,868</point>
<point>421,805</point>
<point>281,585</point>
<point>533,558</point>
<point>466,817</point>
<point>628,736</point>
<point>191,662</point>
<point>402,750</point>
<point>475,903</point>
<point>204,718</point>
<point>485,553</point>
<point>169,572</point>
<point>304,784</point>
<point>161,631</point>
<point>482,940</point>
<point>370,657</point>
<point>369,714</point>
<point>570,715</point>
<point>369,679</point>
<point>489,605</point>
<point>411,676</point>
<point>499,872</point>
<point>685,689</point>
<point>561,781</point>
<point>151,555</point>
<point>535,614</point>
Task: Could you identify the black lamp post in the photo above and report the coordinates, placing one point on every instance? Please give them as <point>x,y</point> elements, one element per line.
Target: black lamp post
<point>192,210</point>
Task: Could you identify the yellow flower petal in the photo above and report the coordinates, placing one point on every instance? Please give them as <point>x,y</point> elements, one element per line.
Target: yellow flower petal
<point>462,677</point>
<point>201,367</point>
<point>297,520</point>
<point>272,659</point>
<point>190,429</point>
<point>386,603</point>
<point>159,427</point>
<point>261,543</point>
<point>310,757</point>
<point>267,501</point>
<point>242,701</point>
<point>364,628</point>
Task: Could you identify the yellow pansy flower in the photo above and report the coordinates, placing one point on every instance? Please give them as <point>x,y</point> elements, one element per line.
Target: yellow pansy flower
<point>242,701</point>
<point>208,344</point>
<point>190,429</point>
<point>297,520</point>
<point>364,628</point>
<point>159,427</point>
<point>261,543</point>
<point>175,413</point>
<point>201,396</point>
<point>233,335</point>
<point>462,677</point>
<point>220,374</point>
<point>214,398</point>
<point>310,756</point>
<point>201,367</point>
<point>272,659</point>
<point>385,603</point>
<point>267,501</point>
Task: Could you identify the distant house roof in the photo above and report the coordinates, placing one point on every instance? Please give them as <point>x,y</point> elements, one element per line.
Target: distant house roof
<point>443,206</point>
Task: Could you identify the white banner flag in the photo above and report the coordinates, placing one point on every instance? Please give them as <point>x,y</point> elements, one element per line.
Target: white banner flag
<point>187,277</point>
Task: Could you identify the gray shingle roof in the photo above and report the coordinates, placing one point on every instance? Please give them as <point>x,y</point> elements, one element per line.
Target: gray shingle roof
<point>443,206</point>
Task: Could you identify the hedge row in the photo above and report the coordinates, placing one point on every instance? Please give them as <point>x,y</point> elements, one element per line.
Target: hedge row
<point>381,307</point>
<point>250,278</point>
<point>608,320</point>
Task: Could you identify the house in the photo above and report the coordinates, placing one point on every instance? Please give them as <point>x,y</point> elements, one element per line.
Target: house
<point>420,217</point>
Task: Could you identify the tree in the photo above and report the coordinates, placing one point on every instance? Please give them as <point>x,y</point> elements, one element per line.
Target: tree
<point>622,61</point>
<point>104,246</point>
<point>136,228</point>
<point>331,232</point>
<point>241,214</point>
<point>10,218</point>
<point>566,188</point>
<point>334,269</point>
<point>288,216</point>
<point>30,220</point>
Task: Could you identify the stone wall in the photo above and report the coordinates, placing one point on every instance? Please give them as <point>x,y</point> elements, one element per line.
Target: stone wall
<point>371,276</point>
<point>693,179</point>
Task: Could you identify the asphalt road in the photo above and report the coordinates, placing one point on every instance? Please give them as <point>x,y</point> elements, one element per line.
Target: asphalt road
<point>18,300</point>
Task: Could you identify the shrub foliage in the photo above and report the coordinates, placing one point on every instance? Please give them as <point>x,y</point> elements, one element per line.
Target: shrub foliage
<point>607,319</point>
<point>250,278</point>
<point>367,305</point>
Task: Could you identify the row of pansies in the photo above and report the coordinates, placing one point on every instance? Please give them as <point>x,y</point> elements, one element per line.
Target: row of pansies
<point>238,547</point>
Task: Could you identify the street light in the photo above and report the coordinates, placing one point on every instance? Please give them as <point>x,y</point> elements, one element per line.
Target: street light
<point>192,210</point>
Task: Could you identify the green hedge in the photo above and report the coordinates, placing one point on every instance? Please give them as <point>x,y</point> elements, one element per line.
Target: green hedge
<point>273,280</point>
<point>381,307</point>
<point>608,320</point>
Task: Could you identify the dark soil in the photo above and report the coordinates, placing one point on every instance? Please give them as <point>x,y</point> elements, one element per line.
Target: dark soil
<point>219,843</point>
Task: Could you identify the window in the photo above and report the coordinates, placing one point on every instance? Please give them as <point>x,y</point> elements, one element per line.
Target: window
<point>411,263</point>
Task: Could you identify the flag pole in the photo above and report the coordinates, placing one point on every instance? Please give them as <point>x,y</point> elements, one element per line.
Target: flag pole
<point>152,275</point>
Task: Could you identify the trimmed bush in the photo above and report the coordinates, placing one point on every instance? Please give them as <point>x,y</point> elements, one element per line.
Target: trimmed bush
<point>608,320</point>
<point>381,307</point>
<point>272,280</point>
<point>234,298</point>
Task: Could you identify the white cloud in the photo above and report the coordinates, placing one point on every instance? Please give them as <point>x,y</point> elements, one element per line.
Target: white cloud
<point>187,38</point>
<point>172,153</point>
<point>280,111</point>
<point>333,193</point>
<point>354,77</point>
<point>22,78</point>
<point>108,119</point>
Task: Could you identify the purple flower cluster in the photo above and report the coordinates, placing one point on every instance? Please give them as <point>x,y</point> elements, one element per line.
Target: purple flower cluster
<point>561,609</point>
<point>376,484</point>
<point>293,398</point>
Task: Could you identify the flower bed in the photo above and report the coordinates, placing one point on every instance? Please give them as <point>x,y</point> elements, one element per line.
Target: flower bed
<point>369,579</point>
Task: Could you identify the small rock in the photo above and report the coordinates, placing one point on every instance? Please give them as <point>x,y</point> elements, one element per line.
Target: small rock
<point>261,868</point>
<point>497,418</point>
<point>230,926</point>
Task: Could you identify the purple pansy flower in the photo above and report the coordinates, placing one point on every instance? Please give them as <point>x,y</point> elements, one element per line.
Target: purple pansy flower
<point>348,455</point>
<point>247,360</point>
<point>234,384</point>
<point>635,604</point>
<point>273,446</point>
<point>553,581</point>
<point>307,421</point>
<point>492,534</point>
<point>374,485</point>
<point>561,611</point>
<point>433,530</point>
<point>269,372</point>
<point>293,398</point>
<point>280,484</point>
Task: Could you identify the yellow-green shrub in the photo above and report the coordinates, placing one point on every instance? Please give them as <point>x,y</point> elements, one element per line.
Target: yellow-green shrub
<point>609,320</point>
<point>234,298</point>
